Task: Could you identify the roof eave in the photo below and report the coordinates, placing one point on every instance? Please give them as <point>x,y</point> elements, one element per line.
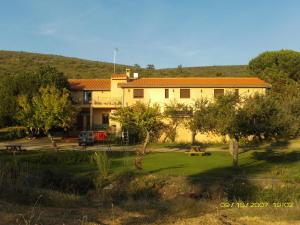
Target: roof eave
<point>194,86</point>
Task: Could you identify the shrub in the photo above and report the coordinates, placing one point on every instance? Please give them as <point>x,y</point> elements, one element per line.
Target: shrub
<point>101,160</point>
<point>10,133</point>
<point>144,188</point>
<point>66,157</point>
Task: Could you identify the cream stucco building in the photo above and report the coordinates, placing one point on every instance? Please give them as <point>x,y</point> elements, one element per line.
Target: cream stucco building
<point>98,98</point>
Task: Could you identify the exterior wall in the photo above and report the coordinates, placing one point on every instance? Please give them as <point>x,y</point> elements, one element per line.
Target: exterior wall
<point>157,95</point>
<point>108,101</point>
<point>117,92</point>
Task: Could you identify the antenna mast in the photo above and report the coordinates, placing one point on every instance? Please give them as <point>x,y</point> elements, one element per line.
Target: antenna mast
<point>115,54</point>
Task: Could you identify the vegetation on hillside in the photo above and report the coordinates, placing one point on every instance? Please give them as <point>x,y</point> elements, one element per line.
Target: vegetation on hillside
<point>25,87</point>
<point>12,62</point>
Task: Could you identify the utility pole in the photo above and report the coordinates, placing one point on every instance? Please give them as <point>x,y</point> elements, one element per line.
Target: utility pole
<point>115,54</point>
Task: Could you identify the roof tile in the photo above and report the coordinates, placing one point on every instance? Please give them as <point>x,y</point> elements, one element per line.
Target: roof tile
<point>118,76</point>
<point>197,82</point>
<point>89,84</point>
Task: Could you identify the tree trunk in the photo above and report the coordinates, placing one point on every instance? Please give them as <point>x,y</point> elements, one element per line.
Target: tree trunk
<point>193,137</point>
<point>144,147</point>
<point>54,145</point>
<point>171,133</point>
<point>141,152</point>
<point>234,151</point>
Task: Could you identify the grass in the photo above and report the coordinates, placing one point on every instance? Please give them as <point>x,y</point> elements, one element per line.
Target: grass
<point>171,185</point>
<point>258,163</point>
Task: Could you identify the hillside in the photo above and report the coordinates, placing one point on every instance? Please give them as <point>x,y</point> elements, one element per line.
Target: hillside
<point>12,62</point>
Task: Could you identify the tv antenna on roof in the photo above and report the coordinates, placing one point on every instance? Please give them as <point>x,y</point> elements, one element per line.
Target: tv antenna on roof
<point>115,54</point>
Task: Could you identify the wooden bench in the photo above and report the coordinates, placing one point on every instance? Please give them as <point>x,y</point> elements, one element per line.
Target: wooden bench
<point>195,150</point>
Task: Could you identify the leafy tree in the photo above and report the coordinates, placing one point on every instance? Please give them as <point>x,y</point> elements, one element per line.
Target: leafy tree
<point>177,113</point>
<point>142,120</point>
<point>219,74</point>
<point>265,118</point>
<point>282,70</point>
<point>221,117</point>
<point>150,67</point>
<point>50,108</point>
<point>180,68</point>
<point>137,66</point>
<point>8,103</point>
<point>27,84</point>
<point>283,61</point>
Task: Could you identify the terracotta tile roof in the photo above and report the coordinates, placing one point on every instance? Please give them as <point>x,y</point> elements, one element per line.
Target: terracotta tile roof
<point>89,84</point>
<point>197,82</point>
<point>118,76</point>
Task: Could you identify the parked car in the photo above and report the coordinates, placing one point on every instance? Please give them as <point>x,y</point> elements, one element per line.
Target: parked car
<point>86,138</point>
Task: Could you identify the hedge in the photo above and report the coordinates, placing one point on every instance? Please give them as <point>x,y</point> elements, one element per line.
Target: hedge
<point>10,133</point>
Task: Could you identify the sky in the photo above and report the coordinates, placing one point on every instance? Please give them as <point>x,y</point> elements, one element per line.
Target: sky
<point>166,33</point>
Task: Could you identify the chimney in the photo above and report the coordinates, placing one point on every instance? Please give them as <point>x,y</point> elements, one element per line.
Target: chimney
<point>135,75</point>
<point>127,72</point>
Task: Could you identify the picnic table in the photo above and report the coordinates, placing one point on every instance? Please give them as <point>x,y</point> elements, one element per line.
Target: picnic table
<point>14,148</point>
<point>195,150</point>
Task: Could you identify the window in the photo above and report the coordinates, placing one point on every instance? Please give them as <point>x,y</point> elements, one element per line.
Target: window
<point>105,118</point>
<point>184,93</point>
<point>87,97</point>
<point>218,92</point>
<point>166,93</point>
<point>138,93</point>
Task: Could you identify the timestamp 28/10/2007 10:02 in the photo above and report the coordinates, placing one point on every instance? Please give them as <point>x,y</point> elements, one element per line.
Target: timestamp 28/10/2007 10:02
<point>256,204</point>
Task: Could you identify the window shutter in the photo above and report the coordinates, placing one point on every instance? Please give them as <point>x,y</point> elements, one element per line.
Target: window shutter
<point>138,93</point>
<point>184,93</point>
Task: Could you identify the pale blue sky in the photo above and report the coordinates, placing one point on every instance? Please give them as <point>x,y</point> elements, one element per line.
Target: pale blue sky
<point>165,33</point>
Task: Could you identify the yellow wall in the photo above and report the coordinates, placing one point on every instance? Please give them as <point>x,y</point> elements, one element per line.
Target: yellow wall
<point>157,95</point>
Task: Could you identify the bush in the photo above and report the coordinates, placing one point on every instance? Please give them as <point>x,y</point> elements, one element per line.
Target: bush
<point>10,133</point>
<point>101,160</point>
<point>62,157</point>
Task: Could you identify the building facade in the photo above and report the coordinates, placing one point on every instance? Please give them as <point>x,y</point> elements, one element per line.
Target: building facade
<point>97,99</point>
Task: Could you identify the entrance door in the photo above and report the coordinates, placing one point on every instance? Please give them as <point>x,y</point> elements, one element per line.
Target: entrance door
<point>85,121</point>
<point>105,120</point>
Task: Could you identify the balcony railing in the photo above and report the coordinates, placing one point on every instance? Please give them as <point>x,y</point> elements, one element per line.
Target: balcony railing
<point>108,102</point>
<point>80,102</point>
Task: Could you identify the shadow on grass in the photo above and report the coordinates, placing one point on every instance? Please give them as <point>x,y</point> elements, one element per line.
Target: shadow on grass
<point>166,168</point>
<point>240,183</point>
<point>270,146</point>
<point>271,156</point>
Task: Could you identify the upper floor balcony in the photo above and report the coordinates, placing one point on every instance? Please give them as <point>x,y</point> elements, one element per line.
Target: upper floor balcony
<point>107,103</point>
<point>99,102</point>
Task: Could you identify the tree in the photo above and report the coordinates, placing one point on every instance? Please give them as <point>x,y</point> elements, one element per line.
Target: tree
<point>137,66</point>
<point>282,70</point>
<point>177,113</point>
<point>150,67</point>
<point>25,84</point>
<point>220,117</point>
<point>223,121</point>
<point>142,120</point>
<point>8,103</point>
<point>53,109</point>
<point>180,68</point>
<point>284,61</point>
<point>264,117</point>
<point>50,108</point>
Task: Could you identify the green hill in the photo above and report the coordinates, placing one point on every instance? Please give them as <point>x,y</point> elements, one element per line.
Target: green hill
<point>12,62</point>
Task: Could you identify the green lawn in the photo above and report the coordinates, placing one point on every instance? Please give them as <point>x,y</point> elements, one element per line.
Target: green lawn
<point>282,164</point>
<point>252,163</point>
